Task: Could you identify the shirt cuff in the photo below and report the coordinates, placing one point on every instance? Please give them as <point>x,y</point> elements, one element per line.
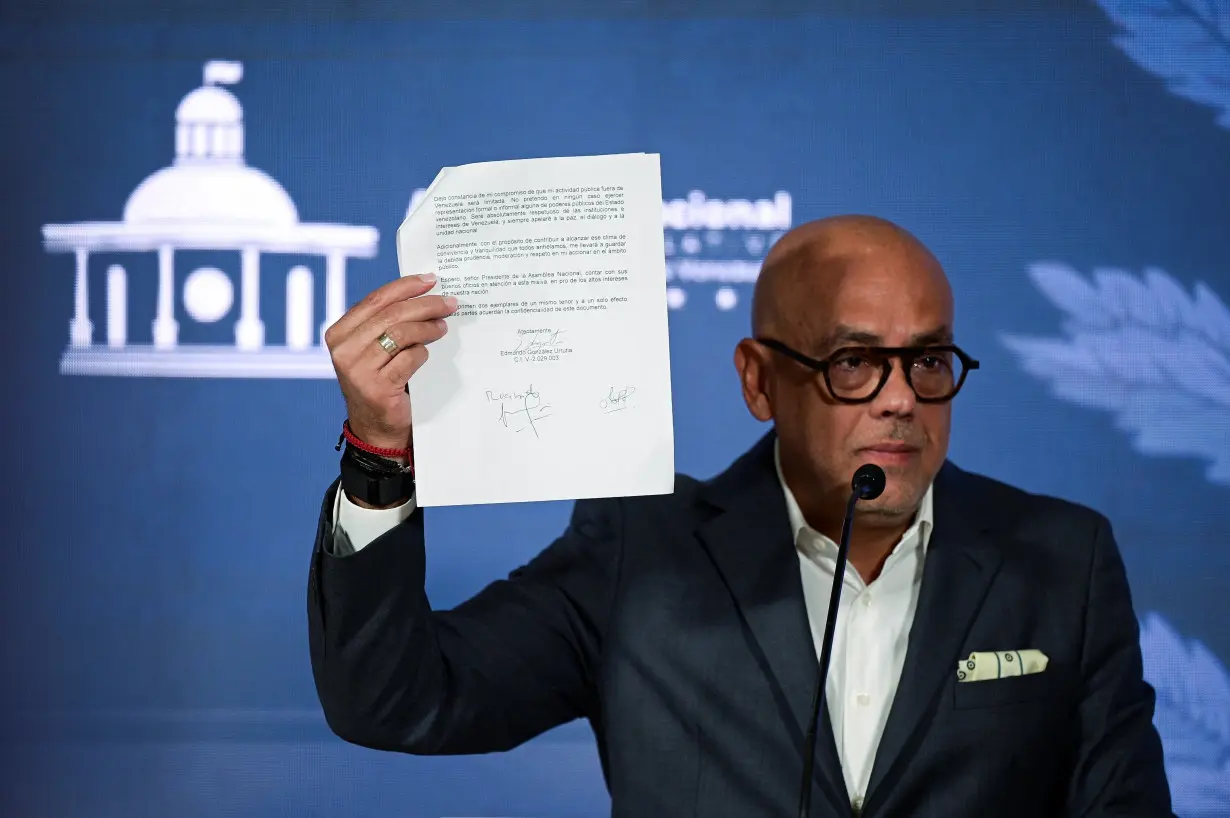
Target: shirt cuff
<point>355,527</point>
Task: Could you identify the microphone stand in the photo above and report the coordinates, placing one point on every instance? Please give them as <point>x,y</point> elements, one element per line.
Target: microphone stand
<point>826,650</point>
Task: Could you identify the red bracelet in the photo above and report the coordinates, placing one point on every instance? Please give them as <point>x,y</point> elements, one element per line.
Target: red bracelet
<point>353,440</point>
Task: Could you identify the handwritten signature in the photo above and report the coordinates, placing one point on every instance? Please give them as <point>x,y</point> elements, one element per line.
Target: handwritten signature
<point>532,340</point>
<point>520,410</point>
<point>616,401</point>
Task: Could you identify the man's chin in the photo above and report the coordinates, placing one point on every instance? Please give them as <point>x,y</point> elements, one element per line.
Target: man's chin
<point>900,499</point>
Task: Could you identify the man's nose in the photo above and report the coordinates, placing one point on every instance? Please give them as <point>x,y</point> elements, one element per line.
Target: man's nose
<point>897,397</point>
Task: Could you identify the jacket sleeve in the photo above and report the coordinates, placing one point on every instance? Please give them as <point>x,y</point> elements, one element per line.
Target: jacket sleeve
<point>515,660</point>
<point>1119,766</point>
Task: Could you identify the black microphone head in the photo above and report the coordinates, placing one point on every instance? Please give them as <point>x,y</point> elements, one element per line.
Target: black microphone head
<point>869,481</point>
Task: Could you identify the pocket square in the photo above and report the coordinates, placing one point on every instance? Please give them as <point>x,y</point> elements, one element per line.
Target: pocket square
<point>982,666</point>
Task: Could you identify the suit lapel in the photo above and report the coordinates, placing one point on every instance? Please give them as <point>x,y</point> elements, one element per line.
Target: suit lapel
<point>960,564</point>
<point>752,546</point>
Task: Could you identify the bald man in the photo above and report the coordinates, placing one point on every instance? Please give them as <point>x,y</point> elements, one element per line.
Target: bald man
<point>986,658</point>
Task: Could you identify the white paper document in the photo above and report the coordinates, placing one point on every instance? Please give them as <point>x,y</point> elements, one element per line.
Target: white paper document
<point>553,380</point>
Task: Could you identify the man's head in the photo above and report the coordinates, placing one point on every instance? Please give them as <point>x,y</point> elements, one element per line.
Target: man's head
<point>833,284</point>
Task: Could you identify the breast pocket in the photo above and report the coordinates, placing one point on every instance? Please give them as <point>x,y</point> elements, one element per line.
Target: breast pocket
<point>1007,690</point>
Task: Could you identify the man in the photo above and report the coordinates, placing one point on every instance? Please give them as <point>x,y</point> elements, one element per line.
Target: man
<point>685,627</point>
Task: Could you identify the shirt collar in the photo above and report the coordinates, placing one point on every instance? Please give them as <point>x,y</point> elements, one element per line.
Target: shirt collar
<point>919,532</point>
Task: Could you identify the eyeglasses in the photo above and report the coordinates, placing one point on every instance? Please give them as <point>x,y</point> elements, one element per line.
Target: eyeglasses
<point>856,374</point>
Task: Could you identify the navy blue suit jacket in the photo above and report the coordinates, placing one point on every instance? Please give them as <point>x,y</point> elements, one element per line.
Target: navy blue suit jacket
<point>676,626</point>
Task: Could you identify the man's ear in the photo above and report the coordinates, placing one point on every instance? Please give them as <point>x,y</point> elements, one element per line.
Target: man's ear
<point>752,364</point>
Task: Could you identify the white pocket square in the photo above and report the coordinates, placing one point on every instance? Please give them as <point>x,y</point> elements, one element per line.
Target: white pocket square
<point>982,666</point>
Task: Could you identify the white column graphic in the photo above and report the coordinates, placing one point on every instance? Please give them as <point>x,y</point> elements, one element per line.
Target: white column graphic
<point>117,307</point>
<point>249,331</point>
<point>335,290</point>
<point>80,330</point>
<point>166,331</point>
<point>299,286</point>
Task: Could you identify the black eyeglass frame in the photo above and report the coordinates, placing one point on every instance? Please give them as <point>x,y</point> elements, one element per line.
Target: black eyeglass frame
<point>907,355</point>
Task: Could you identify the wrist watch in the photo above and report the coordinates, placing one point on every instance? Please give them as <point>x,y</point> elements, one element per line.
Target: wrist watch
<point>375,480</point>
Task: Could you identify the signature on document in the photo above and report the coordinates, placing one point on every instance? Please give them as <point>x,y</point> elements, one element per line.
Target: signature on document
<point>616,400</point>
<point>520,409</point>
<point>536,340</point>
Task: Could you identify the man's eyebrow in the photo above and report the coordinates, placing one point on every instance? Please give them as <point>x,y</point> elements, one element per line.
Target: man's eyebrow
<point>940,335</point>
<point>843,334</point>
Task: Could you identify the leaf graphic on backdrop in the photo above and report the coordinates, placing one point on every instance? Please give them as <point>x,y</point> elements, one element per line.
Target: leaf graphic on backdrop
<point>1145,350</point>
<point>1193,717</point>
<point>1184,42</point>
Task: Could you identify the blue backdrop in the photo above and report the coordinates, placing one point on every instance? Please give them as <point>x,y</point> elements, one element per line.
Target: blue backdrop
<point>1069,167</point>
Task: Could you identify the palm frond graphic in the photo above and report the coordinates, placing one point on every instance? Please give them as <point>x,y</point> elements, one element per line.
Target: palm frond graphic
<point>1186,43</point>
<point>1144,350</point>
<point>1192,716</point>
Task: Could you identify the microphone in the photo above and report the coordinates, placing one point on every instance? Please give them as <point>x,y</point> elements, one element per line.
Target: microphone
<point>868,484</point>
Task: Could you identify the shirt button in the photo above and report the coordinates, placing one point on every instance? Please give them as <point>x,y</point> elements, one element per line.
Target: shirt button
<point>866,600</point>
<point>863,699</point>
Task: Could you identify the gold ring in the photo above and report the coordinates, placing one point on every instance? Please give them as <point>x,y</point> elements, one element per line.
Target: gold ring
<point>390,346</point>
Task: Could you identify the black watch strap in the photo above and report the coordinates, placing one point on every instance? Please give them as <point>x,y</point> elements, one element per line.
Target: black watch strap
<point>375,480</point>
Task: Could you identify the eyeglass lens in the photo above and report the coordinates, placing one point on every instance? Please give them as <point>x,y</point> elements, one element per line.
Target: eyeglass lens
<point>857,373</point>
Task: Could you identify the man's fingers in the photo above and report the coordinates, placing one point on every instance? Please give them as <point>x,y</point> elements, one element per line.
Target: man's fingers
<point>396,291</point>
<point>423,309</point>
<point>403,365</point>
<point>406,334</point>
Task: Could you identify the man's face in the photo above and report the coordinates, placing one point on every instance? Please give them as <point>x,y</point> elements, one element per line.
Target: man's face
<point>892,299</point>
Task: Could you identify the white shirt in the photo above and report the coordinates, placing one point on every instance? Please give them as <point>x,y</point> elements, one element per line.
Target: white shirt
<point>361,526</point>
<point>873,629</point>
<point>873,621</point>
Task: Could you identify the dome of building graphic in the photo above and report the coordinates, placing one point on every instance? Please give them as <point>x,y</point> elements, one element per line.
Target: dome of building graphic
<point>203,193</point>
<point>209,104</point>
<point>209,183</point>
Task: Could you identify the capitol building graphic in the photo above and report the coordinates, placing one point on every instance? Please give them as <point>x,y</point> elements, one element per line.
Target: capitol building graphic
<point>208,199</point>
